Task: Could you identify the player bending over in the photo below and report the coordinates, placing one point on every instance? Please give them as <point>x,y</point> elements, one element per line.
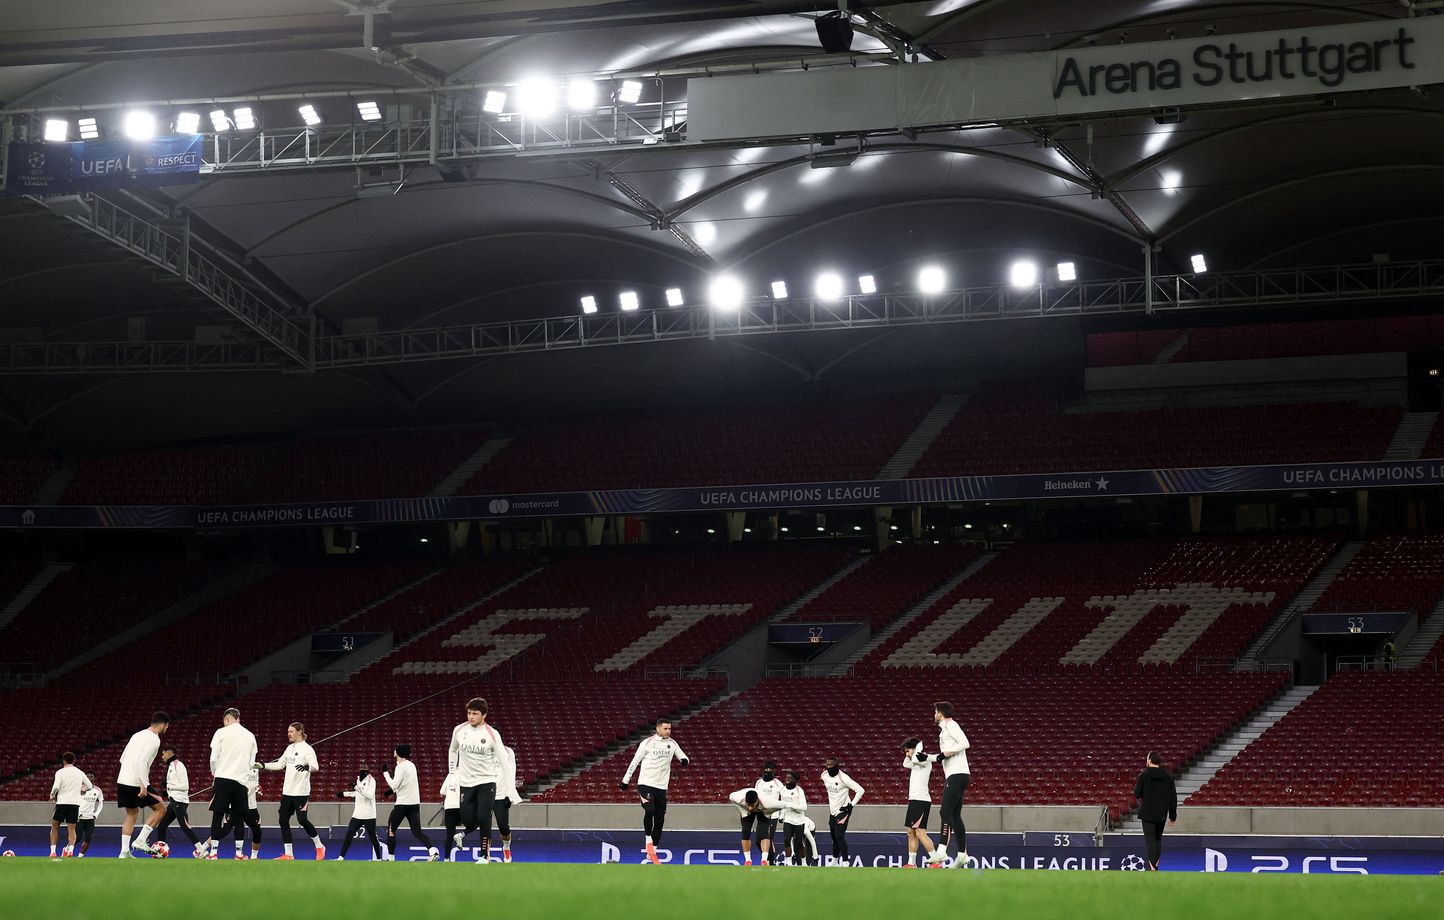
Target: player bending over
<point>654,757</point>
<point>757,811</point>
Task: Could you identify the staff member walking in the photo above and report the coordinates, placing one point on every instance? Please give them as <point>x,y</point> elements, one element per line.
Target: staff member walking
<point>1157,800</point>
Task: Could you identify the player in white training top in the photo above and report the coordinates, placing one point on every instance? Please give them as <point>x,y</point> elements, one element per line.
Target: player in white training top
<point>654,757</point>
<point>92,801</point>
<point>132,786</point>
<point>506,796</point>
<point>477,758</point>
<point>843,793</point>
<point>299,761</point>
<point>408,803</point>
<point>178,791</point>
<point>233,761</point>
<point>757,809</point>
<point>797,827</point>
<point>363,816</point>
<point>66,792</point>
<point>920,804</point>
<point>953,755</point>
<point>765,825</point>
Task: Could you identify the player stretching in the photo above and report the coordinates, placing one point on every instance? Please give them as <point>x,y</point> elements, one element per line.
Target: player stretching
<point>132,786</point>
<point>299,761</point>
<point>953,755</point>
<point>757,809</point>
<point>67,793</point>
<point>796,836</point>
<point>233,762</point>
<point>654,756</point>
<point>476,757</point>
<point>408,804</point>
<point>843,793</point>
<point>506,796</point>
<point>91,802</point>
<point>178,791</point>
<point>920,803</point>
<point>363,815</point>
<point>770,788</point>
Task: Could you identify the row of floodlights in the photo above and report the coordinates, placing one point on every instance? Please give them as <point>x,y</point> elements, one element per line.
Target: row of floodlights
<point>728,292</point>
<point>535,98</point>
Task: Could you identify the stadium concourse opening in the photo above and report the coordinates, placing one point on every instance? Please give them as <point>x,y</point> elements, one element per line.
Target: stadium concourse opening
<point>771,437</point>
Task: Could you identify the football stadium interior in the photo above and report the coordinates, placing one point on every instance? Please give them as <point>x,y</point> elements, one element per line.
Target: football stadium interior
<point>776,369</point>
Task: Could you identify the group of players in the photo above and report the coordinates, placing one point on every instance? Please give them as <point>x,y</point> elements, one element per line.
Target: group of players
<point>480,785</point>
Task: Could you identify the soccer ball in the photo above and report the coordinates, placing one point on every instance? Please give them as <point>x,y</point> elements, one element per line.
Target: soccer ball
<point>7,854</point>
<point>160,850</point>
<point>1133,863</point>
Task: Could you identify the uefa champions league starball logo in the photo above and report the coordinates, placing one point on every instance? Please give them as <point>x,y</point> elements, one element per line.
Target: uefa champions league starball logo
<point>1133,863</point>
<point>36,160</point>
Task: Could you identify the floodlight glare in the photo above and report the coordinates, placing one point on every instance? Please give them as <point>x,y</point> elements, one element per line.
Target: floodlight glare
<point>89,131</point>
<point>369,110</point>
<point>932,280</point>
<point>56,129</point>
<point>309,115</point>
<point>674,297</point>
<point>779,290</point>
<point>245,118</point>
<point>589,304</point>
<point>495,101</point>
<point>139,125</point>
<point>537,97</point>
<point>1200,264</point>
<point>1067,271</point>
<point>828,286</point>
<point>1023,274</point>
<point>630,92</point>
<point>867,284</point>
<point>629,301</point>
<point>581,95</point>
<point>726,292</point>
<point>220,121</point>
<point>188,122</point>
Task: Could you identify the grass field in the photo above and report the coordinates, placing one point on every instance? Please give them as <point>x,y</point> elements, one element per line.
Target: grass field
<point>111,890</point>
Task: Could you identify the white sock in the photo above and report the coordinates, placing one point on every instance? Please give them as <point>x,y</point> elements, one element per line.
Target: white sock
<point>124,844</point>
<point>288,849</point>
<point>316,842</point>
<point>52,851</point>
<point>506,846</point>
<point>143,835</point>
<point>240,846</point>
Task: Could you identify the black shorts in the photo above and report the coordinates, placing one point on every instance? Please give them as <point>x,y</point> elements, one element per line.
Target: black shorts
<point>66,814</point>
<point>765,827</point>
<point>134,797</point>
<point>229,797</point>
<point>918,813</point>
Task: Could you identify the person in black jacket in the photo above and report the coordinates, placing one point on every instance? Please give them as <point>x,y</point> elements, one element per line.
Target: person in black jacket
<point>1157,800</point>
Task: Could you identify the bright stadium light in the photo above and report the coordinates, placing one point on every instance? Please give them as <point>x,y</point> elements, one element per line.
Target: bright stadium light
<point>726,292</point>
<point>88,129</point>
<point>1023,274</point>
<point>220,121</point>
<point>932,280</point>
<point>494,103</point>
<point>674,297</point>
<point>188,122</point>
<point>828,287</point>
<point>537,97</point>
<point>56,129</point>
<point>779,290</point>
<point>581,95</point>
<point>369,110</point>
<point>630,92</point>
<point>245,118</point>
<point>867,284</point>
<point>589,304</point>
<point>309,115</point>
<point>1200,264</point>
<point>629,301</point>
<point>1067,271</point>
<point>138,125</point>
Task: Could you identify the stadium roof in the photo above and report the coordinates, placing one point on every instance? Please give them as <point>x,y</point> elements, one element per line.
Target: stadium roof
<point>1320,181</point>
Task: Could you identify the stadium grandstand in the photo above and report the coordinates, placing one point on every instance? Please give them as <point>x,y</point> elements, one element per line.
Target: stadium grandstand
<point>734,383</point>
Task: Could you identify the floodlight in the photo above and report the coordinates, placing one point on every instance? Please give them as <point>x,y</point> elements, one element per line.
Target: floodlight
<point>1200,264</point>
<point>1023,274</point>
<point>828,286</point>
<point>56,129</point>
<point>779,290</point>
<point>537,97</point>
<point>726,292</point>
<point>589,304</point>
<point>309,115</point>
<point>581,95</point>
<point>188,122</point>
<point>138,125</point>
<point>630,92</point>
<point>495,101</point>
<point>88,129</point>
<point>244,117</point>
<point>629,301</point>
<point>1067,271</point>
<point>220,121</point>
<point>369,110</point>
<point>867,284</point>
<point>674,297</point>
<point>932,280</point>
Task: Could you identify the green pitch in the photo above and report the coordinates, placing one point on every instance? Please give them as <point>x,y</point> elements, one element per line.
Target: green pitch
<point>105,889</point>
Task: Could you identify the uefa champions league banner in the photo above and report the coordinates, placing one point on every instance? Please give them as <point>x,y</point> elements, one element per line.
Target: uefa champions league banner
<point>49,169</point>
<point>1032,852</point>
<point>819,495</point>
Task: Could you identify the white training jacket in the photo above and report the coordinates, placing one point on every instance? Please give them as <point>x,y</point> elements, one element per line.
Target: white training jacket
<point>364,792</point>
<point>919,776</point>
<point>137,759</point>
<point>92,801</point>
<point>69,786</point>
<point>450,792</point>
<point>177,781</point>
<point>233,752</point>
<point>252,783</point>
<point>794,805</point>
<point>298,782</point>
<point>654,756</point>
<point>404,782</point>
<point>475,755</point>
<point>772,788</point>
<point>506,786</point>
<point>954,744</point>
<point>770,805</point>
<point>842,791</point>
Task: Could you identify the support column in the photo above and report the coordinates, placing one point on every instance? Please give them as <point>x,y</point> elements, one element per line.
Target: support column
<point>592,528</point>
<point>882,527</point>
<point>1195,513</point>
<point>774,527</point>
<point>1361,512</point>
<point>736,522</point>
<point>457,533</point>
<point>548,533</point>
<point>915,522</point>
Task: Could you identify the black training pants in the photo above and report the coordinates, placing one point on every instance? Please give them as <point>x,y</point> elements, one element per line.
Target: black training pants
<point>295,805</point>
<point>837,827</point>
<point>176,812</point>
<point>794,841</point>
<point>228,797</point>
<point>1153,837</point>
<point>953,831</point>
<point>357,824</point>
<point>654,812</point>
<point>411,814</point>
<point>476,807</point>
<point>251,819</point>
<point>501,810</point>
